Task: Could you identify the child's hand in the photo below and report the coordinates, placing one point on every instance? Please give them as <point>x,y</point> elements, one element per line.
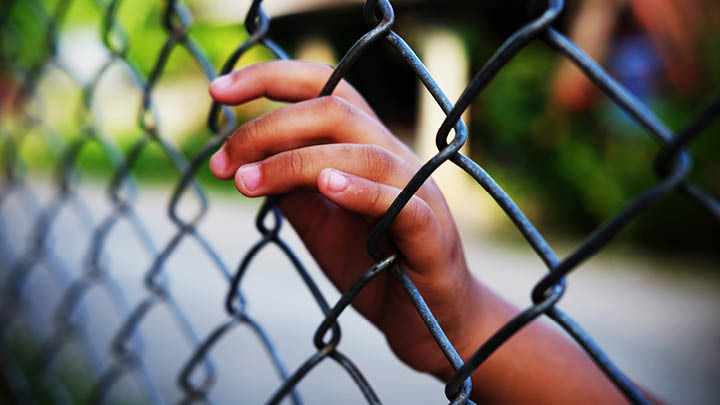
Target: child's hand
<point>338,169</point>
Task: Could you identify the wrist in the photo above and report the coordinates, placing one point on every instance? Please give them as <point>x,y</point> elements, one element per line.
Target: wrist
<point>469,329</point>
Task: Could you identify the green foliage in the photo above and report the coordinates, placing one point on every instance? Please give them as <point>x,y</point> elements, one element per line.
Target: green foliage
<point>577,170</point>
<point>25,40</point>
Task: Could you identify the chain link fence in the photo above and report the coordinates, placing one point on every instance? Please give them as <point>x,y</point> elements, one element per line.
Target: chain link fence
<point>66,326</point>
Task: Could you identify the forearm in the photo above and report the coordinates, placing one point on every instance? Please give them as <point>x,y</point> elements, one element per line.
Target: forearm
<point>537,364</point>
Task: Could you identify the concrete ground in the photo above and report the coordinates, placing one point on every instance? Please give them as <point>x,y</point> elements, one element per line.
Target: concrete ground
<point>658,319</point>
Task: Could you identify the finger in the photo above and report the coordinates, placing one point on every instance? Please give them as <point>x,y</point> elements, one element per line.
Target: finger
<point>416,230</point>
<point>299,168</point>
<point>317,121</point>
<point>283,81</point>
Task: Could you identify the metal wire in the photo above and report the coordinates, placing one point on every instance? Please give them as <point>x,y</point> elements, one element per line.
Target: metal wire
<point>67,325</point>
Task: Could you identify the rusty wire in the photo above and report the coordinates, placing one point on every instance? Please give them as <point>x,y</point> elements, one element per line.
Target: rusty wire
<point>671,166</point>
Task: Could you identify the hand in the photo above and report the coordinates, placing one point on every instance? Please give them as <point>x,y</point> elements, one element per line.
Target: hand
<point>337,169</point>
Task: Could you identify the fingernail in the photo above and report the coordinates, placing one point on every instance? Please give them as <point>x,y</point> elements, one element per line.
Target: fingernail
<point>250,176</point>
<point>337,182</point>
<point>223,81</point>
<point>219,161</point>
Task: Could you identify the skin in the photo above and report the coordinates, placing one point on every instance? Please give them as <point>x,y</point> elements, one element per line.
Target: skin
<point>336,169</point>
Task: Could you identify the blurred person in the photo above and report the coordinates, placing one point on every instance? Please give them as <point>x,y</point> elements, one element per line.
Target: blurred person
<point>643,41</point>
<point>336,169</point>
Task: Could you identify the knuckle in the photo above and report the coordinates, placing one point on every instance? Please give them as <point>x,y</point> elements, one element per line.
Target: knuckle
<point>337,108</point>
<point>418,214</point>
<point>258,70</point>
<point>379,162</point>
<point>376,200</point>
<point>296,163</point>
<point>250,131</point>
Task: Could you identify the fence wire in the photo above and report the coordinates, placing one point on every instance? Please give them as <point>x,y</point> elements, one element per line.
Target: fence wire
<point>67,328</point>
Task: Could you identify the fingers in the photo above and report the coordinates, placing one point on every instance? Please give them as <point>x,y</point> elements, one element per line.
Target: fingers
<point>317,121</point>
<point>416,229</point>
<point>366,181</point>
<point>283,81</point>
<point>299,168</point>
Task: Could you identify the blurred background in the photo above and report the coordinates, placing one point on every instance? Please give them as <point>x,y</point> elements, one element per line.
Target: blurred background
<point>559,147</point>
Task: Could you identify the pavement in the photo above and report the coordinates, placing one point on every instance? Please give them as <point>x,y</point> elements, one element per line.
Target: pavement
<point>657,318</point>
